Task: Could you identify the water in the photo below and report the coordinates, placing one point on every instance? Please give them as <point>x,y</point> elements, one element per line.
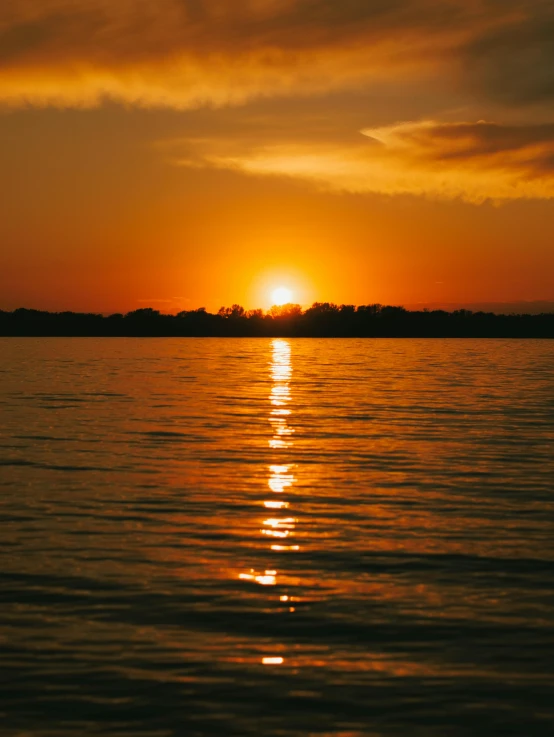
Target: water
<point>276,537</point>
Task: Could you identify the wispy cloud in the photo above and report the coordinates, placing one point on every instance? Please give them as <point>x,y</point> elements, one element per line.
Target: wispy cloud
<point>186,54</point>
<point>189,53</point>
<point>473,161</point>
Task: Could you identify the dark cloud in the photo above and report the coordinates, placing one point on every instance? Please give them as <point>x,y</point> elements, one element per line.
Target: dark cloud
<point>186,53</point>
<point>213,53</point>
<point>101,29</point>
<point>514,62</point>
<point>473,141</point>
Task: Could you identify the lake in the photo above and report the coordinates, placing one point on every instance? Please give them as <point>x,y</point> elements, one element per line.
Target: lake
<point>276,537</point>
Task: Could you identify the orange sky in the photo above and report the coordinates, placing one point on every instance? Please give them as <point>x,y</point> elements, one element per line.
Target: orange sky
<point>190,153</point>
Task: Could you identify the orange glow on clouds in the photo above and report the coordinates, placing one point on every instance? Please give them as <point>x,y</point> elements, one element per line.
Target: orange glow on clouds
<point>178,155</point>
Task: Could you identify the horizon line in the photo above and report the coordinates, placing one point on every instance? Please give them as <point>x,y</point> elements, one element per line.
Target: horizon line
<point>291,309</point>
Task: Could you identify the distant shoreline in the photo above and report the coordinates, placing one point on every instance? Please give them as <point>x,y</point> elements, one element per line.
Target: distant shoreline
<point>322,320</point>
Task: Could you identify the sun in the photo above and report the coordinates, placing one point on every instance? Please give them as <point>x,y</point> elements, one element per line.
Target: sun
<point>281,296</point>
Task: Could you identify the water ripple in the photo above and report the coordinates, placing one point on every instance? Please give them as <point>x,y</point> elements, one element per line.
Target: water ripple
<point>287,537</point>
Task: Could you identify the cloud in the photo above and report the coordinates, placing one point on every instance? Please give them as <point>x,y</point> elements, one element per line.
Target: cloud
<point>513,61</point>
<point>473,161</point>
<point>190,53</point>
<point>185,54</point>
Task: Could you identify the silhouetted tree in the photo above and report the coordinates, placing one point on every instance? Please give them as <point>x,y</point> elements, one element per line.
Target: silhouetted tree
<point>187,313</point>
<point>144,313</point>
<point>285,311</point>
<point>322,319</point>
<point>374,309</point>
<point>392,311</point>
<point>320,308</point>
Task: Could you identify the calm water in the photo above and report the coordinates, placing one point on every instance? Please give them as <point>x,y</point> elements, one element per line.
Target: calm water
<point>276,537</point>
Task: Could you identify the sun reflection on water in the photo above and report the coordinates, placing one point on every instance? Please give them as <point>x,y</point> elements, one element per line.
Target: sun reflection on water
<point>276,505</point>
<point>278,528</point>
<point>266,579</point>
<point>281,476</point>
<point>273,661</point>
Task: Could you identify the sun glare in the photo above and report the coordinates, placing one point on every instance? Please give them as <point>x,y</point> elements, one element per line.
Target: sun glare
<point>281,296</point>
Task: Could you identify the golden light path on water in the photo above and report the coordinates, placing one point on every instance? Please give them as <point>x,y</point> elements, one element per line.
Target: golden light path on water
<point>279,529</point>
<point>413,501</point>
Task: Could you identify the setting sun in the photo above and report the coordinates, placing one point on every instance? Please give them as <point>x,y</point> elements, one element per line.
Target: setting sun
<point>281,296</point>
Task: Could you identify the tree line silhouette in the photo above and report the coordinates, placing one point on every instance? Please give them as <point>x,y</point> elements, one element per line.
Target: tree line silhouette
<point>322,319</point>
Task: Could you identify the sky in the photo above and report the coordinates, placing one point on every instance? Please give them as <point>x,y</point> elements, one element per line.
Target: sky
<point>198,153</point>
